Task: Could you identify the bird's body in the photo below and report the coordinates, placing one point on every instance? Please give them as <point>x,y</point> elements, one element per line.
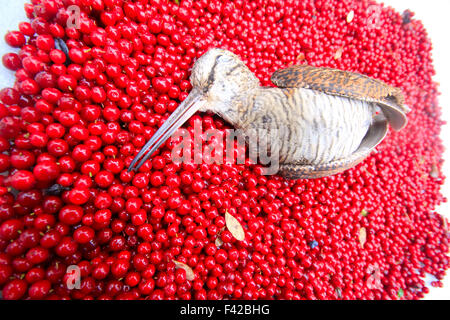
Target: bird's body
<point>313,127</point>
<point>326,120</point>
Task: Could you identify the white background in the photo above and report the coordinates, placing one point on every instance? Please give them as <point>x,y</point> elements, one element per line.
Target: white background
<point>435,14</point>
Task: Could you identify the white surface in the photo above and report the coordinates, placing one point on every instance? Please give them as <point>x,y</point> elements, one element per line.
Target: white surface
<point>435,16</point>
<point>12,13</point>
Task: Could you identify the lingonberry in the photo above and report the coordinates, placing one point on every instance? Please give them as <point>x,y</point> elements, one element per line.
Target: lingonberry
<point>32,65</point>
<point>84,106</point>
<point>66,247</point>
<point>46,171</point>
<point>79,196</point>
<point>12,61</point>
<point>57,147</point>
<point>15,39</point>
<point>26,29</point>
<point>9,96</point>
<point>14,290</point>
<point>84,235</point>
<point>37,255</point>
<point>22,180</point>
<point>39,290</point>
<point>71,214</point>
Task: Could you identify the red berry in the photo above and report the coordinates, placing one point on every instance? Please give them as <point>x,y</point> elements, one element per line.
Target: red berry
<point>15,39</point>
<point>39,290</point>
<point>84,235</point>
<point>12,61</point>
<point>46,171</point>
<point>9,96</point>
<point>87,99</point>
<point>71,214</point>
<point>14,290</point>
<point>22,180</point>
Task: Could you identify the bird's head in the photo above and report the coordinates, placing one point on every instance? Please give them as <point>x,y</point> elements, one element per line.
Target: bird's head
<point>216,77</point>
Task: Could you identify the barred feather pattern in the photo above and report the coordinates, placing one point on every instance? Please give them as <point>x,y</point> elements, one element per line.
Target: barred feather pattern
<point>312,127</point>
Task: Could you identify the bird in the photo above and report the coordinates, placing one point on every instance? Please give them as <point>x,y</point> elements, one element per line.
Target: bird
<point>328,120</point>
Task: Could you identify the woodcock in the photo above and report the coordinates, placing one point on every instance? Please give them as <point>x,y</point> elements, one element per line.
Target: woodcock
<point>328,120</point>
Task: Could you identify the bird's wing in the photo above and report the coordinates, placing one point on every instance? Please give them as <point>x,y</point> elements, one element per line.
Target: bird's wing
<point>377,132</point>
<point>346,84</point>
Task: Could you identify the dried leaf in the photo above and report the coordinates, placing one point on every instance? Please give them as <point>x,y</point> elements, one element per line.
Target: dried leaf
<point>350,16</point>
<point>444,223</point>
<point>434,173</point>
<point>364,212</point>
<point>190,275</point>
<point>339,293</point>
<point>301,57</point>
<point>219,241</point>
<point>408,218</point>
<point>362,236</point>
<point>234,227</point>
<point>338,53</point>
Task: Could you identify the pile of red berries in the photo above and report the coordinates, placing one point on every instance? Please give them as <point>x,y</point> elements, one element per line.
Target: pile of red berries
<point>88,97</point>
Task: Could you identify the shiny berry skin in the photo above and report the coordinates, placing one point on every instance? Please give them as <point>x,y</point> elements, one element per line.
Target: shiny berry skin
<point>119,268</point>
<point>83,235</point>
<point>71,214</point>
<point>11,61</point>
<point>37,255</point>
<point>46,171</point>
<point>9,127</point>
<point>26,29</point>
<point>32,65</point>
<point>23,180</point>
<point>14,290</point>
<point>15,39</point>
<point>22,160</point>
<point>57,147</point>
<point>39,290</point>
<point>66,247</point>
<point>79,196</point>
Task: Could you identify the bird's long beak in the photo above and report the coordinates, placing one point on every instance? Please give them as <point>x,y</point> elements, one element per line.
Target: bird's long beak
<point>185,110</point>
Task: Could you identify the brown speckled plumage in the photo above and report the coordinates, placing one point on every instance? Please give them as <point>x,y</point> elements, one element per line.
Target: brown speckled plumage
<point>301,171</point>
<point>346,84</point>
<point>327,120</point>
<point>334,81</point>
